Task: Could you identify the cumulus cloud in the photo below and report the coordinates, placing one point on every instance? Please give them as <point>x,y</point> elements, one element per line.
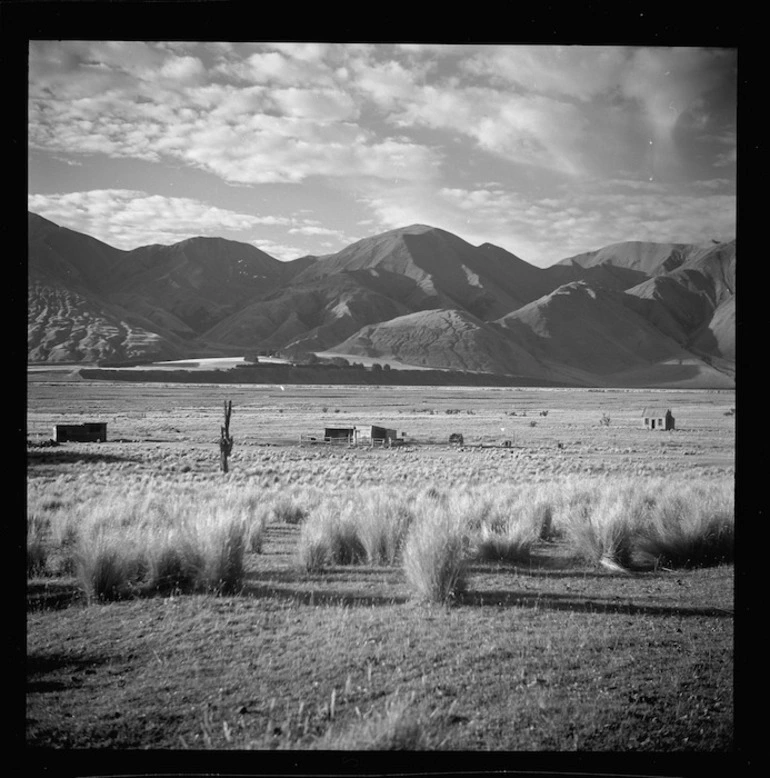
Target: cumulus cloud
<point>280,251</point>
<point>312,229</point>
<point>244,134</point>
<point>545,230</point>
<point>127,218</point>
<point>579,72</point>
<point>398,128</point>
<point>318,105</point>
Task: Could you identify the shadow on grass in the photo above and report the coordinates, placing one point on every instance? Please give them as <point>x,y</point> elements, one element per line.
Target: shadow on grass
<point>565,602</point>
<point>330,597</point>
<point>60,664</point>
<point>48,456</point>
<point>47,595</point>
<point>348,573</point>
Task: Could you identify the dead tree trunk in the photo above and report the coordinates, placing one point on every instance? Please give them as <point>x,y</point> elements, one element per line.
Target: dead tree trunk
<point>225,439</point>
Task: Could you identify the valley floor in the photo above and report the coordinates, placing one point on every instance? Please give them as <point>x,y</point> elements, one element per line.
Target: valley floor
<point>552,656</point>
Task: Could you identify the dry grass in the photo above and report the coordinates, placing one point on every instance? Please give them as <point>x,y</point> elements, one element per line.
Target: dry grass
<point>545,649</point>
<point>435,558</point>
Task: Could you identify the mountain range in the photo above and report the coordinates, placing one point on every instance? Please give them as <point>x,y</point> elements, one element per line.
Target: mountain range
<point>630,314</point>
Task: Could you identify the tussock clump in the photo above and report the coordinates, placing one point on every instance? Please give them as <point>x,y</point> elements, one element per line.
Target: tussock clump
<point>398,728</point>
<point>625,522</point>
<point>330,537</point>
<point>511,524</point>
<point>288,510</point>
<point>37,546</point>
<point>435,557</point>
<point>603,524</point>
<point>691,528</point>
<point>222,540</point>
<point>383,520</point>
<point>109,566</point>
<point>174,566</point>
<point>147,544</point>
<point>361,527</point>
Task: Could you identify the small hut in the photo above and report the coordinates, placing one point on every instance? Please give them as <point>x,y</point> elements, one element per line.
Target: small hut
<point>340,435</point>
<point>658,418</point>
<point>377,436</point>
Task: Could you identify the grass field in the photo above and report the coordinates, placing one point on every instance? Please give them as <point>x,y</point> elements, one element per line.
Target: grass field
<point>542,647</point>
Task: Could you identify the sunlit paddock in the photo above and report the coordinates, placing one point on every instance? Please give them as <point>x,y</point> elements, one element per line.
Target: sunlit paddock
<point>419,597</point>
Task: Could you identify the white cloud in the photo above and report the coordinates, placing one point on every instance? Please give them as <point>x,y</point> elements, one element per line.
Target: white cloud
<point>545,230</point>
<point>279,251</point>
<point>579,72</point>
<point>128,218</point>
<point>324,105</point>
<point>185,70</point>
<point>310,229</point>
<point>400,127</point>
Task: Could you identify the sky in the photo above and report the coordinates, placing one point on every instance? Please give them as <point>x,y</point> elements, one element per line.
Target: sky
<point>303,148</point>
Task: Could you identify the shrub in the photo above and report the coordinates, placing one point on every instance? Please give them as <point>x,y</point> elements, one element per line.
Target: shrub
<point>436,552</point>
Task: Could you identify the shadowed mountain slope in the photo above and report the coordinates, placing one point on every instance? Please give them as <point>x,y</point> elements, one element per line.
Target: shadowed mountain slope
<point>644,257</point>
<point>634,312</point>
<point>314,315</point>
<point>692,294</point>
<point>486,281</point>
<point>448,339</point>
<point>589,329</point>
<point>61,256</point>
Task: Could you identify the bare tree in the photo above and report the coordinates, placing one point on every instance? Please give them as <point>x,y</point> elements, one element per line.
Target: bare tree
<point>225,439</point>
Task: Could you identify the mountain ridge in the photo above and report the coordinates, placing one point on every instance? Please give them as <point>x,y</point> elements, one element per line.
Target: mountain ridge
<point>416,294</point>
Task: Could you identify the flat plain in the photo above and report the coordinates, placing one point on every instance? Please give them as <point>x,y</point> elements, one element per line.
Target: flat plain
<point>555,654</point>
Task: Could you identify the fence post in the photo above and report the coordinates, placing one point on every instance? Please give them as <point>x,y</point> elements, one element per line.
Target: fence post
<point>225,439</point>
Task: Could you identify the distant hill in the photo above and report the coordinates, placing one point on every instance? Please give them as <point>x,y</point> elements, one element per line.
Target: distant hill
<point>628,314</point>
<point>444,338</point>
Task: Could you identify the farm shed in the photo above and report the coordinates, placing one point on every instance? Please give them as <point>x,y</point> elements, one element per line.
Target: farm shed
<point>658,419</point>
<point>340,434</point>
<point>80,433</point>
<point>377,436</point>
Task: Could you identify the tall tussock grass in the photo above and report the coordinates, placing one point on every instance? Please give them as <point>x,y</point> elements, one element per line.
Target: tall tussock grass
<point>436,552</point>
<point>156,542</point>
<point>511,523</point>
<point>399,727</point>
<point>383,522</point>
<point>625,522</point>
<point>363,527</point>
<point>691,528</point>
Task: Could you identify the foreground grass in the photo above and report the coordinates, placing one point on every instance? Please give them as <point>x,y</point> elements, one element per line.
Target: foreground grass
<point>552,655</point>
<point>542,649</point>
